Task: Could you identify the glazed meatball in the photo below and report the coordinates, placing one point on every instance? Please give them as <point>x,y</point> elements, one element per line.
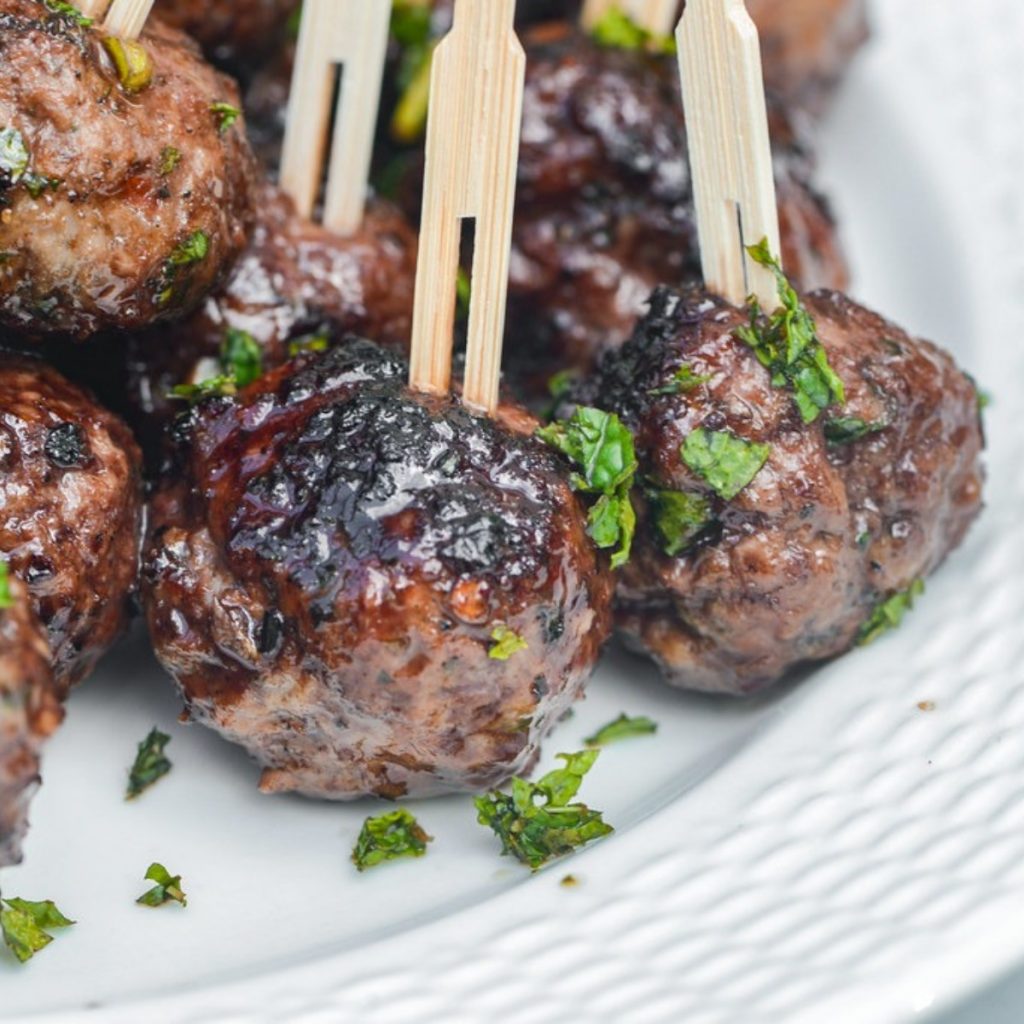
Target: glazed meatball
<point>373,591</point>
<point>729,591</point>
<point>29,713</point>
<point>295,279</point>
<point>604,210</point>
<point>70,511</point>
<point>119,208</point>
<point>234,34</point>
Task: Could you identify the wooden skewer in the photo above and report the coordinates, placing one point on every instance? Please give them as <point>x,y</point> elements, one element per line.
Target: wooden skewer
<point>94,9</point>
<point>657,16</point>
<point>354,35</point>
<point>473,132</point>
<point>127,18</point>
<point>730,151</point>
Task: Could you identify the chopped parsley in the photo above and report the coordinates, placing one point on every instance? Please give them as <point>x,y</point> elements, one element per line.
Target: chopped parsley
<point>679,518</point>
<point>25,925</point>
<point>725,462</point>
<point>14,157</point>
<point>504,643</point>
<point>622,728</point>
<point>69,11</point>
<point>6,597</point>
<point>221,386</point>
<point>536,821</point>
<point>192,250</point>
<point>132,63</point>
<point>167,888</point>
<point>787,344</point>
<point>241,357</point>
<point>889,614</point>
<point>150,765</point>
<point>618,30</point>
<point>848,429</point>
<point>684,379</point>
<point>388,837</point>
<point>37,184</point>
<point>170,157</point>
<point>308,343</point>
<point>411,28</point>
<point>226,114</point>
<point>600,444</point>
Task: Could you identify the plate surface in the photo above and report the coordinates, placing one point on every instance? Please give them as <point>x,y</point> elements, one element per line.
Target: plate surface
<point>828,853</point>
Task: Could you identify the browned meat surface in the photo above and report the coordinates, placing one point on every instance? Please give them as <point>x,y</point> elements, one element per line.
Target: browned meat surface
<point>605,211</point>
<point>790,569</point>
<point>70,511</point>
<point>325,572</point>
<point>29,712</point>
<point>232,33</point>
<point>294,279</point>
<point>118,209</point>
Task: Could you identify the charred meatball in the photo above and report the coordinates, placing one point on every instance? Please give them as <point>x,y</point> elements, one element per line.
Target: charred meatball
<point>70,511</point>
<point>120,208</point>
<point>605,211</point>
<point>234,34</point>
<point>727,591</point>
<point>372,591</point>
<point>29,712</point>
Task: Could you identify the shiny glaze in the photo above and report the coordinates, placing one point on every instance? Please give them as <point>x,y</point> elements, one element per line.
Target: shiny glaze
<point>94,252</point>
<point>325,572</point>
<point>794,565</point>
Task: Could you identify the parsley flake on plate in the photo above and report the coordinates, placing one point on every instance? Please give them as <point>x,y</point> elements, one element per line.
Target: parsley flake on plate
<point>889,614</point>
<point>602,447</point>
<point>25,925</point>
<point>727,463</point>
<point>167,888</point>
<point>504,643</point>
<point>151,764</point>
<point>622,728</point>
<point>389,837</point>
<point>536,822</point>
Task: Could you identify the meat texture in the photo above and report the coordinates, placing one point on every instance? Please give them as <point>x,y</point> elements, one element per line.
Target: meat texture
<point>29,713</point>
<point>604,210</point>
<point>328,568</point>
<point>791,569</point>
<point>294,280</point>
<point>70,511</point>
<point>119,208</point>
<point>235,34</point>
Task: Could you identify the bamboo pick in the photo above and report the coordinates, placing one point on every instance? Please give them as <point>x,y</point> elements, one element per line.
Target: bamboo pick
<point>730,151</point>
<point>354,35</point>
<point>657,16</point>
<point>127,18</point>
<point>94,9</point>
<point>472,150</point>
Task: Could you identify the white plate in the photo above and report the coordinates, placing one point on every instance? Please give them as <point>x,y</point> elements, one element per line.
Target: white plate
<point>830,853</point>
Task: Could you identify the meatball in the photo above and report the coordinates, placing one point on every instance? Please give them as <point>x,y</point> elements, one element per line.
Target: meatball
<point>118,208</point>
<point>29,713</point>
<point>234,34</point>
<point>295,279</point>
<point>847,511</point>
<point>373,591</point>
<point>70,511</point>
<point>605,210</point>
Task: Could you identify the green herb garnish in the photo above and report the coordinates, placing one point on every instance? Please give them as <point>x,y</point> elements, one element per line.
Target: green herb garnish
<point>727,463</point>
<point>388,837</point>
<point>848,429</point>
<point>132,62</point>
<point>37,184</point>
<point>221,386</point>
<point>150,763</point>
<point>194,249</point>
<point>170,157</point>
<point>463,294</point>
<point>226,113</point>
<point>14,156</point>
<point>241,357</point>
<point>167,888</point>
<point>24,925</point>
<point>618,30</point>
<point>890,613</point>
<point>308,343</point>
<point>602,447</point>
<point>622,728</point>
<point>536,822</point>
<point>679,518</point>
<point>504,643</point>
<point>6,597</point>
<point>412,30</point>
<point>69,11</point>
<point>787,344</point>
<point>684,379</point>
